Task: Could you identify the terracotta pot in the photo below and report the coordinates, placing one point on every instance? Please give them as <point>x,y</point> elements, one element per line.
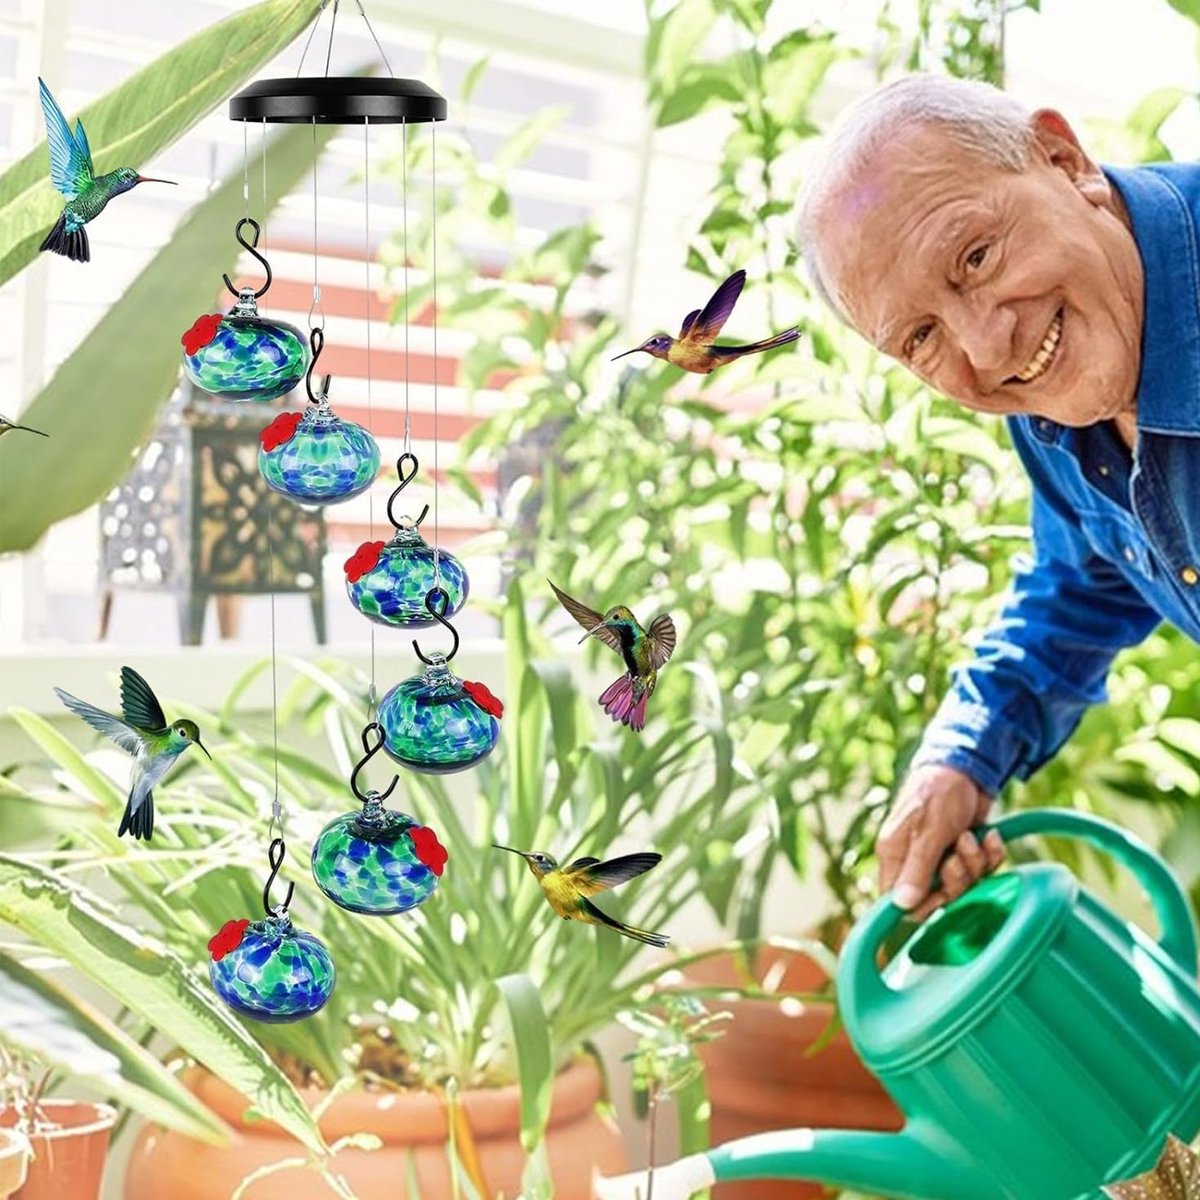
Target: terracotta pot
<point>14,1161</point>
<point>68,1160</point>
<point>412,1126</point>
<point>759,1077</point>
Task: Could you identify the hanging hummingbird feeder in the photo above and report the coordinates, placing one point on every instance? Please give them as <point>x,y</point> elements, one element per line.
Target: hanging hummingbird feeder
<point>375,860</point>
<point>269,970</point>
<point>388,581</point>
<point>435,723</point>
<point>242,356</point>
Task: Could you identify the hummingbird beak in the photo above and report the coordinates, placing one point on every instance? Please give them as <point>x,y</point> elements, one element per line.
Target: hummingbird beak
<point>593,631</point>
<point>204,748</point>
<point>151,179</point>
<point>30,429</point>
<point>623,353</point>
<point>497,846</point>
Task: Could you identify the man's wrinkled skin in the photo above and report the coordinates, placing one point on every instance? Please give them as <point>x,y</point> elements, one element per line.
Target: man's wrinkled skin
<point>961,270</point>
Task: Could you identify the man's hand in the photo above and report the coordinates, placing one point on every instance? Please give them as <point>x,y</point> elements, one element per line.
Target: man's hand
<point>933,815</point>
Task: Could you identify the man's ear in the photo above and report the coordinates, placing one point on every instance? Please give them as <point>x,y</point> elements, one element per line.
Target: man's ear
<point>1061,149</point>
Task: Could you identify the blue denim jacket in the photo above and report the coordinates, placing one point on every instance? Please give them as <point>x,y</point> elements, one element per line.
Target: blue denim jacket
<point>1116,538</point>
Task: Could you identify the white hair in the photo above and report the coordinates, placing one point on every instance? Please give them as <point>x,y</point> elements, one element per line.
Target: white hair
<point>979,118</point>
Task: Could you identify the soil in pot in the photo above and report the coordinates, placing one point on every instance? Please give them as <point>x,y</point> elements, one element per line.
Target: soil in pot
<point>69,1156</point>
<point>412,1126</point>
<point>760,1078</point>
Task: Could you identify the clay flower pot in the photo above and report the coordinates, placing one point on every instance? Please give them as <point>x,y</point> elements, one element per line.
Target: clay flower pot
<point>68,1159</point>
<point>14,1161</point>
<point>409,1124</point>
<point>759,1077</point>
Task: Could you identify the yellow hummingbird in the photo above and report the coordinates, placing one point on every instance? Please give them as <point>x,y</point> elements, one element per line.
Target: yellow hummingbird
<point>567,888</point>
<point>693,349</point>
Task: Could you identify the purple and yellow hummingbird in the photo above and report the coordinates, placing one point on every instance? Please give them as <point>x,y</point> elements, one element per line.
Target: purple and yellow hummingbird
<point>643,651</point>
<point>693,349</point>
<point>71,172</point>
<point>567,888</point>
<point>142,731</point>
<point>6,425</point>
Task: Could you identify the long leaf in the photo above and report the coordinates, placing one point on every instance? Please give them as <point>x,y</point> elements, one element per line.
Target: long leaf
<point>46,1020</point>
<point>147,113</point>
<point>149,979</point>
<point>179,282</point>
<point>535,1059</point>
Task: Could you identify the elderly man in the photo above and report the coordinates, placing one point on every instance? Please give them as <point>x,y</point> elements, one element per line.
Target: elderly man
<point>981,247</point>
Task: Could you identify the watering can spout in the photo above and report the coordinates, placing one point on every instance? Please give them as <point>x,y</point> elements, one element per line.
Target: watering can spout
<point>900,1165</point>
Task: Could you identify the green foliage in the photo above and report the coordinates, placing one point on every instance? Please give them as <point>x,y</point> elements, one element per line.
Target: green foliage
<point>146,113</point>
<point>175,286</point>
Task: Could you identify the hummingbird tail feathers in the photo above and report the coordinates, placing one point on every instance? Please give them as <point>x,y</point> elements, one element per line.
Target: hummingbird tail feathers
<point>139,821</point>
<point>786,338</point>
<point>618,701</point>
<point>71,243</point>
<point>597,916</point>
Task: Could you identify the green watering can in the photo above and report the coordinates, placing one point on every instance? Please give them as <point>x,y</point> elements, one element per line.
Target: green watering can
<point>1039,1045</point>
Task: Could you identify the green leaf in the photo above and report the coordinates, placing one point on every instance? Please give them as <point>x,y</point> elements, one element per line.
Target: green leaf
<point>179,282</point>
<point>535,1059</point>
<point>43,1019</point>
<point>474,77</point>
<point>525,141</point>
<point>151,980</point>
<point>700,87</point>
<point>677,41</point>
<point>1189,8</point>
<point>147,113</point>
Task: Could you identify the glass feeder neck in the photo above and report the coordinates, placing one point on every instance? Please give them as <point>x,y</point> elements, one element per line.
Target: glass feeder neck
<point>245,305</point>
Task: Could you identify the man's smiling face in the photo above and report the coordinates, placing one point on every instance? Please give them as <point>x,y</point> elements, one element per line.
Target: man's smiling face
<point>1009,291</point>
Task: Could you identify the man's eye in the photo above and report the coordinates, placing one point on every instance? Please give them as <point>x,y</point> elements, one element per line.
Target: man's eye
<point>919,337</point>
<point>976,257</point>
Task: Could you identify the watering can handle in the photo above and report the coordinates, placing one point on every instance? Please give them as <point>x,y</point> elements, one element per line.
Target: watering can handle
<point>859,969</point>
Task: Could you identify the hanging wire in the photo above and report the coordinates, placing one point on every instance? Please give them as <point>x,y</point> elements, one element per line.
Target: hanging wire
<point>332,27</point>
<point>372,695</point>
<point>378,46</point>
<point>404,213</point>
<point>245,169</point>
<point>264,190</point>
<point>276,806</point>
<point>312,30</point>
<point>316,305</point>
<point>437,531</point>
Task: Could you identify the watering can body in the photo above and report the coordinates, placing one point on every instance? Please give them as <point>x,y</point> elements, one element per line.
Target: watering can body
<point>1039,1045</point>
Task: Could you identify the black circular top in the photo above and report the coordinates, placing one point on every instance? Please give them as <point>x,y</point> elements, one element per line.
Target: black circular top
<point>338,100</point>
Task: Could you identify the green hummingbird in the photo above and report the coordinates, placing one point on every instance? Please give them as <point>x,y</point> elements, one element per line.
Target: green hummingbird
<point>71,172</point>
<point>6,425</point>
<point>142,730</point>
<point>694,349</point>
<point>567,888</point>
<point>643,652</point>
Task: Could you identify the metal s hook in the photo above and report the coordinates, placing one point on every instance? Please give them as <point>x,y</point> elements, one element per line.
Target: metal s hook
<point>405,479</point>
<point>432,598</point>
<point>275,855</point>
<point>251,247</point>
<point>316,341</point>
<point>371,751</point>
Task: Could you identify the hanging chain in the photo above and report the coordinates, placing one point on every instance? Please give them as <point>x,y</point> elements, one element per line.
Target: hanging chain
<point>372,695</point>
<point>437,530</point>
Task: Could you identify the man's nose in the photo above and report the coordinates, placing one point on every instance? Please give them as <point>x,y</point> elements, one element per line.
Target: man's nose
<point>985,331</point>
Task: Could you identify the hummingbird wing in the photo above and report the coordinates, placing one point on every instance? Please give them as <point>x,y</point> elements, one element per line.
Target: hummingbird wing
<point>716,312</point>
<point>589,618</point>
<point>139,704</point>
<point>661,636</point>
<point>128,738</point>
<point>70,155</point>
<point>688,321</point>
<point>593,877</point>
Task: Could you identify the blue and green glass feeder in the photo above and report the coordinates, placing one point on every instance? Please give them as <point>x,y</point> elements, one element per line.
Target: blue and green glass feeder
<point>315,457</point>
<point>269,970</point>
<point>436,723</point>
<point>388,581</point>
<point>242,356</point>
<point>377,861</point>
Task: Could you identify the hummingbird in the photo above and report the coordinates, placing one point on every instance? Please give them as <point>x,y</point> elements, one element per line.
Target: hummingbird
<point>6,425</point>
<point>142,730</point>
<point>567,888</point>
<point>643,651</point>
<point>693,349</point>
<point>71,172</point>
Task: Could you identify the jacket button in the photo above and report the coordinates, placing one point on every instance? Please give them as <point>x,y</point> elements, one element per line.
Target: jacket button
<point>1190,576</point>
